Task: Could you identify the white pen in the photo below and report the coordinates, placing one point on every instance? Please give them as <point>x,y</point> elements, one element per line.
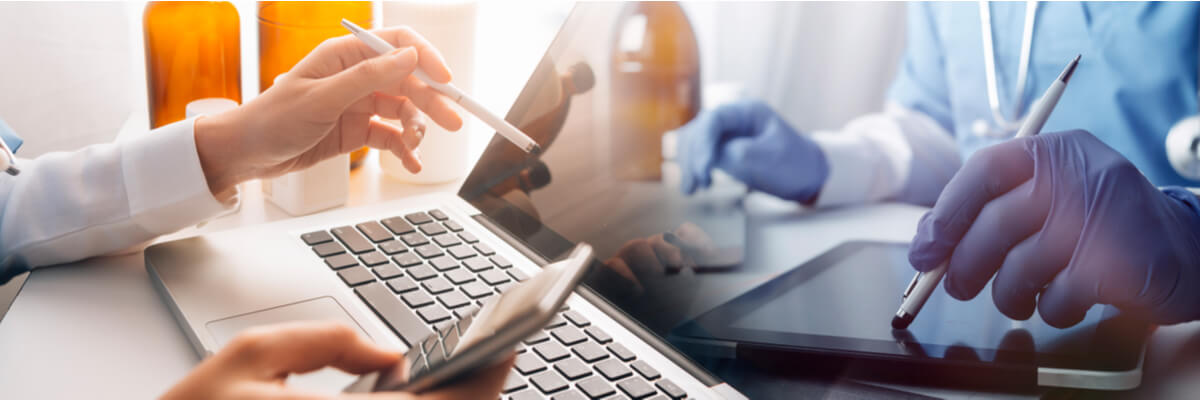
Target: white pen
<point>924,283</point>
<point>505,129</point>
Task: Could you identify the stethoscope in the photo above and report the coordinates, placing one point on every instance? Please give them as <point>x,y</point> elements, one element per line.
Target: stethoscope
<point>1183,140</point>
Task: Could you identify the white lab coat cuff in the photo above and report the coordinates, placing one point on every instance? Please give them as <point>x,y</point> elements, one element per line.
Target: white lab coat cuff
<point>850,169</point>
<point>165,185</point>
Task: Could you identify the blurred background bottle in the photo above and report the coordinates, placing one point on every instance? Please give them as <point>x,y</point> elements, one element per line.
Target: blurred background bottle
<point>450,26</point>
<point>655,84</point>
<point>289,30</point>
<point>193,51</point>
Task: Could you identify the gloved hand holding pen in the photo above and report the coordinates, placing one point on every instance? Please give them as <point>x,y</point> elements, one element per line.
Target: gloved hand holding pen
<point>1064,222</point>
<point>752,143</point>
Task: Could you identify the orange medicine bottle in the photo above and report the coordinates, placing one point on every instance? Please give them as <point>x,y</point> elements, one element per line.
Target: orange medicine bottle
<point>655,84</point>
<point>193,51</point>
<point>289,30</point>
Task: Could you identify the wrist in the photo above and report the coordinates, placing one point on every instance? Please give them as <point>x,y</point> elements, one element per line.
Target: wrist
<point>215,137</point>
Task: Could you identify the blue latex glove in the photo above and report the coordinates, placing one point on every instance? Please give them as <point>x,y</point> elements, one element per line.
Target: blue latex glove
<point>748,140</point>
<point>1064,222</point>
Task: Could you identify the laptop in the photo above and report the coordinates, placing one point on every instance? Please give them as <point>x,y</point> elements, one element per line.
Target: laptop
<point>402,269</point>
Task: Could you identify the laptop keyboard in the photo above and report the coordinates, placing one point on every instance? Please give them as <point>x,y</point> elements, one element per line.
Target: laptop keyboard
<point>423,272</point>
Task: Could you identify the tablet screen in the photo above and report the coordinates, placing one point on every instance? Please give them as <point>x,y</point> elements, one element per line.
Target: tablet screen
<point>844,300</point>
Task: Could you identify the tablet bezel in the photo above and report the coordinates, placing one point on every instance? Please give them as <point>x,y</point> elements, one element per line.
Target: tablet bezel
<point>1121,336</point>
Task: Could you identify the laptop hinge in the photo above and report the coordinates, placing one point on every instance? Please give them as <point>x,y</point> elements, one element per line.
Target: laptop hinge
<point>614,312</point>
<point>510,239</point>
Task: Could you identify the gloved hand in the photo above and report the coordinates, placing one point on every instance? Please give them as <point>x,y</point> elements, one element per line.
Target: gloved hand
<point>748,140</point>
<point>1064,222</point>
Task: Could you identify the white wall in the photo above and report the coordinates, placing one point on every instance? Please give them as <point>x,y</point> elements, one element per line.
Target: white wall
<point>818,63</point>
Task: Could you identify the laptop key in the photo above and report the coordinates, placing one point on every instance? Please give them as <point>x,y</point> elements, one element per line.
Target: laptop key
<point>414,239</point>
<point>433,314</point>
<point>568,335</point>
<point>590,352</point>
<point>528,363</point>
<point>422,272</point>
<point>613,369</point>
<point>550,351</point>
<point>621,352</point>
<point>446,240</point>
<point>460,276</point>
<point>432,229</point>
<point>417,299</point>
<point>595,387</point>
<point>461,252</point>
<point>341,261</point>
<point>354,241</point>
<point>636,388</point>
<point>393,247</point>
<point>645,369</point>
<point>315,238</point>
<point>418,218</point>
<point>484,249</point>
<point>387,271</point>
<point>438,215</point>
<point>477,290</point>
<point>398,226</point>
<point>401,285</point>
<point>671,389</point>
<point>571,315</point>
<point>518,275</point>
<point>525,394</point>
<point>468,237</point>
<point>598,334</point>
<point>395,314</point>
<point>572,369</point>
<point>373,258</point>
<point>356,275</point>
<point>406,260</point>
<point>374,231</point>
<point>556,321</point>
<point>501,262</point>
<point>569,395</point>
<point>494,277</point>
<point>444,263</point>
<point>548,382</point>
<point>476,264</point>
<point>328,249</point>
<point>428,251</point>
<point>437,285</point>
<point>453,226</point>
<point>453,299</point>
<point>538,337</point>
<point>513,383</point>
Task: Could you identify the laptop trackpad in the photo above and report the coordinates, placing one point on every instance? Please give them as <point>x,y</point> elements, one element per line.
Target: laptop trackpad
<point>327,380</point>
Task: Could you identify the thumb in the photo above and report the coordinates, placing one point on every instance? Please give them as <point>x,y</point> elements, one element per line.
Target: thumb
<point>371,75</point>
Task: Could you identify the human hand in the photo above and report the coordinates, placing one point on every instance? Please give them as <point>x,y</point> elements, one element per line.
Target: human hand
<point>324,106</point>
<point>1064,222</point>
<point>748,140</point>
<point>255,364</point>
<point>641,263</point>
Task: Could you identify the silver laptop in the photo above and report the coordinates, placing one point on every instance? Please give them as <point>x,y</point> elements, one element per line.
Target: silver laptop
<point>399,270</point>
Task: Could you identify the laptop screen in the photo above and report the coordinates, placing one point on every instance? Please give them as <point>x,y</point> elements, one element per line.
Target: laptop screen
<point>600,178</point>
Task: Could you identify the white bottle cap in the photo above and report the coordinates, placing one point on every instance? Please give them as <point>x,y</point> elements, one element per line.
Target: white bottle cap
<point>209,106</point>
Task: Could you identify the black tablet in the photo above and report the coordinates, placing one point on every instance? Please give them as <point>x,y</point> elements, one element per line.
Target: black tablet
<point>839,305</point>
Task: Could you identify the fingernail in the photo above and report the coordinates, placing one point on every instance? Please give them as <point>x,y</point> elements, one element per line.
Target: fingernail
<point>671,238</point>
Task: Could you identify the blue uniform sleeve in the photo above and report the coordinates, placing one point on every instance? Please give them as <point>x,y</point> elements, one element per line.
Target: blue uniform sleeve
<point>920,82</point>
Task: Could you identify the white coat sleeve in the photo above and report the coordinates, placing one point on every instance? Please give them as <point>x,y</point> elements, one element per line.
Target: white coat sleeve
<point>906,153</point>
<point>102,199</point>
<point>898,155</point>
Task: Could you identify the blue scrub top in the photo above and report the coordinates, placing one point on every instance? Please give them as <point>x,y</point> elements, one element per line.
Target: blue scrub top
<point>1136,80</point>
